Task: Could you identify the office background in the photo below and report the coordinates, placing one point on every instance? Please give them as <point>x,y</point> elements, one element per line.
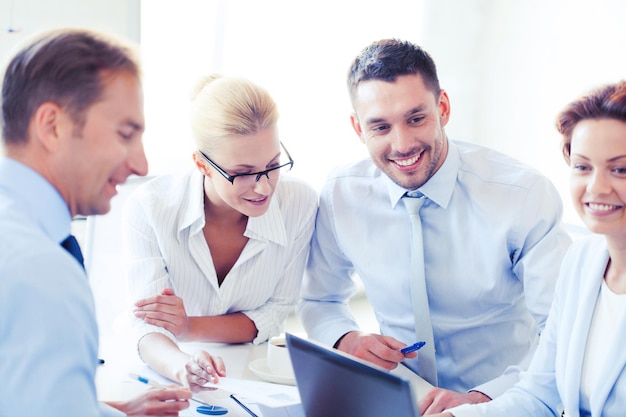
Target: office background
<point>508,65</point>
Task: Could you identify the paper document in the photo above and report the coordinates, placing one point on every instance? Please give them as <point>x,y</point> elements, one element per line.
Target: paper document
<point>266,393</point>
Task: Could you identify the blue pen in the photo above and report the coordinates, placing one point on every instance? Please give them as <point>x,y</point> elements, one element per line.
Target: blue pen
<point>146,381</point>
<point>414,347</point>
<point>156,384</point>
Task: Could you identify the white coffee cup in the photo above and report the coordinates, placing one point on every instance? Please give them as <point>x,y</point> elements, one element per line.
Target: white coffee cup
<point>278,359</point>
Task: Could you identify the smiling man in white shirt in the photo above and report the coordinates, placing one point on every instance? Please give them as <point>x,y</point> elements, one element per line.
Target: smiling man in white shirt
<point>491,235</point>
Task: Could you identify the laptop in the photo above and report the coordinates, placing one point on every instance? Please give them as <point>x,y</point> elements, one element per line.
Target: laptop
<point>334,384</point>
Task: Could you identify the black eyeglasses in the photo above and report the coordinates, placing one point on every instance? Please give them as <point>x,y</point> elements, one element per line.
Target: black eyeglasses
<point>247,180</point>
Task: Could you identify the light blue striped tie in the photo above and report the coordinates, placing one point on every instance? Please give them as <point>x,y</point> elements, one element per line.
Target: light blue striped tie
<point>423,327</point>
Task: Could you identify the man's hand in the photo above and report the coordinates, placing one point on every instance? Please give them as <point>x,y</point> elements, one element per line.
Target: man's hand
<point>383,351</point>
<point>166,310</point>
<point>155,402</point>
<point>437,400</point>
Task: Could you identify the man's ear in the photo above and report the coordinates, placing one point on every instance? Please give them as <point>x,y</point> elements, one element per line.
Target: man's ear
<point>48,124</point>
<point>356,125</point>
<point>444,107</point>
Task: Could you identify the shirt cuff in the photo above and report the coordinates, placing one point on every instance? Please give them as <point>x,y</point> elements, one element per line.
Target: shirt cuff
<point>465,410</point>
<point>265,324</point>
<point>499,385</point>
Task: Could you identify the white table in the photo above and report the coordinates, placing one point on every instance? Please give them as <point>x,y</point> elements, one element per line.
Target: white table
<point>113,381</point>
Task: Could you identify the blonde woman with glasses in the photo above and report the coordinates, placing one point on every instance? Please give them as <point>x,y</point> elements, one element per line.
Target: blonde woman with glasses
<point>218,254</point>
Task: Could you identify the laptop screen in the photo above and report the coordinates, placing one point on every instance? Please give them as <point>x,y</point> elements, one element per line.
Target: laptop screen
<point>334,384</point>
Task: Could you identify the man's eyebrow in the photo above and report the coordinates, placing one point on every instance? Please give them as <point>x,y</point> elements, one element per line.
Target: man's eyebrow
<point>417,109</point>
<point>414,110</point>
<point>374,120</point>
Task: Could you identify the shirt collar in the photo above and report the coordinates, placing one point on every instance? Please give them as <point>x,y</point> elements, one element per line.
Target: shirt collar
<point>37,197</point>
<point>192,204</point>
<point>438,188</point>
<point>269,227</point>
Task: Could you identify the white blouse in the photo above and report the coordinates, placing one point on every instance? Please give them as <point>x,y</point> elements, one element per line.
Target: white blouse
<point>163,222</point>
<point>610,310</point>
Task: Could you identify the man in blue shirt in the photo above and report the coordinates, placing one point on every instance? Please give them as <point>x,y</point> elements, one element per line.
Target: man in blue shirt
<point>491,235</point>
<point>72,112</point>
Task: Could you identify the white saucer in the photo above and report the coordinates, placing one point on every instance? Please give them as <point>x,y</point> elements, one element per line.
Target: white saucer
<point>260,369</point>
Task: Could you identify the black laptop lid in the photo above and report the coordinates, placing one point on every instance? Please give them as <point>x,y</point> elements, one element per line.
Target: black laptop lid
<point>333,384</point>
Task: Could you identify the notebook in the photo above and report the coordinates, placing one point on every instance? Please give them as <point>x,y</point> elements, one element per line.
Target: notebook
<point>334,384</point>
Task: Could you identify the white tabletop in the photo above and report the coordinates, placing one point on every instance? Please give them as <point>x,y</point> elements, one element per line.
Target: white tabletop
<point>113,381</point>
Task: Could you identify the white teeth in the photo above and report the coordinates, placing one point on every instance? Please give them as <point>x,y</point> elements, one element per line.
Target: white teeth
<point>407,162</point>
<point>601,207</point>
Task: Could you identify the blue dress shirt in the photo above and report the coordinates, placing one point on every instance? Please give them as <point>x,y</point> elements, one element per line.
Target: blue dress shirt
<point>493,245</point>
<point>554,378</point>
<point>48,333</point>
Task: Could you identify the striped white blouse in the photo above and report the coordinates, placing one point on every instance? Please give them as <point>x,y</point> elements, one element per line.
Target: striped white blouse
<point>163,223</point>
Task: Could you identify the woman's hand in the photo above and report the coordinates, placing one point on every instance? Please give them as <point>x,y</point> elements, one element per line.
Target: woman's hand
<point>201,369</point>
<point>167,311</point>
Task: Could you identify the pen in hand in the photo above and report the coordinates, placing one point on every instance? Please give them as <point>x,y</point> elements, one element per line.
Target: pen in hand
<point>412,348</point>
<point>146,381</point>
<point>159,385</point>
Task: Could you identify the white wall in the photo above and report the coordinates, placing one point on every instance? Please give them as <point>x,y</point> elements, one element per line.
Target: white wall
<point>26,17</point>
<point>300,51</point>
<point>20,19</point>
<point>508,65</point>
<point>511,66</point>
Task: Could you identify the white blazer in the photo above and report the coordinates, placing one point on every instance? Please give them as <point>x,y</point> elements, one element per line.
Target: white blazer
<point>551,385</point>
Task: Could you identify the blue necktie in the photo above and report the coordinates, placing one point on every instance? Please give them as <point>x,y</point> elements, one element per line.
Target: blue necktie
<point>426,362</point>
<point>71,245</point>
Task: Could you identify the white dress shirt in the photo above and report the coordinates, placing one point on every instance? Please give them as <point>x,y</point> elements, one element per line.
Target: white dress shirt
<point>163,221</point>
<point>492,248</point>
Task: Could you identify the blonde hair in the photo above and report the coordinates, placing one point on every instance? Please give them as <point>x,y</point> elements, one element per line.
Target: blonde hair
<point>222,106</point>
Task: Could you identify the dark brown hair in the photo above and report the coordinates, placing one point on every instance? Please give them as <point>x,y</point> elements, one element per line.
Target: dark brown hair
<point>607,102</point>
<point>387,59</point>
<point>64,66</point>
